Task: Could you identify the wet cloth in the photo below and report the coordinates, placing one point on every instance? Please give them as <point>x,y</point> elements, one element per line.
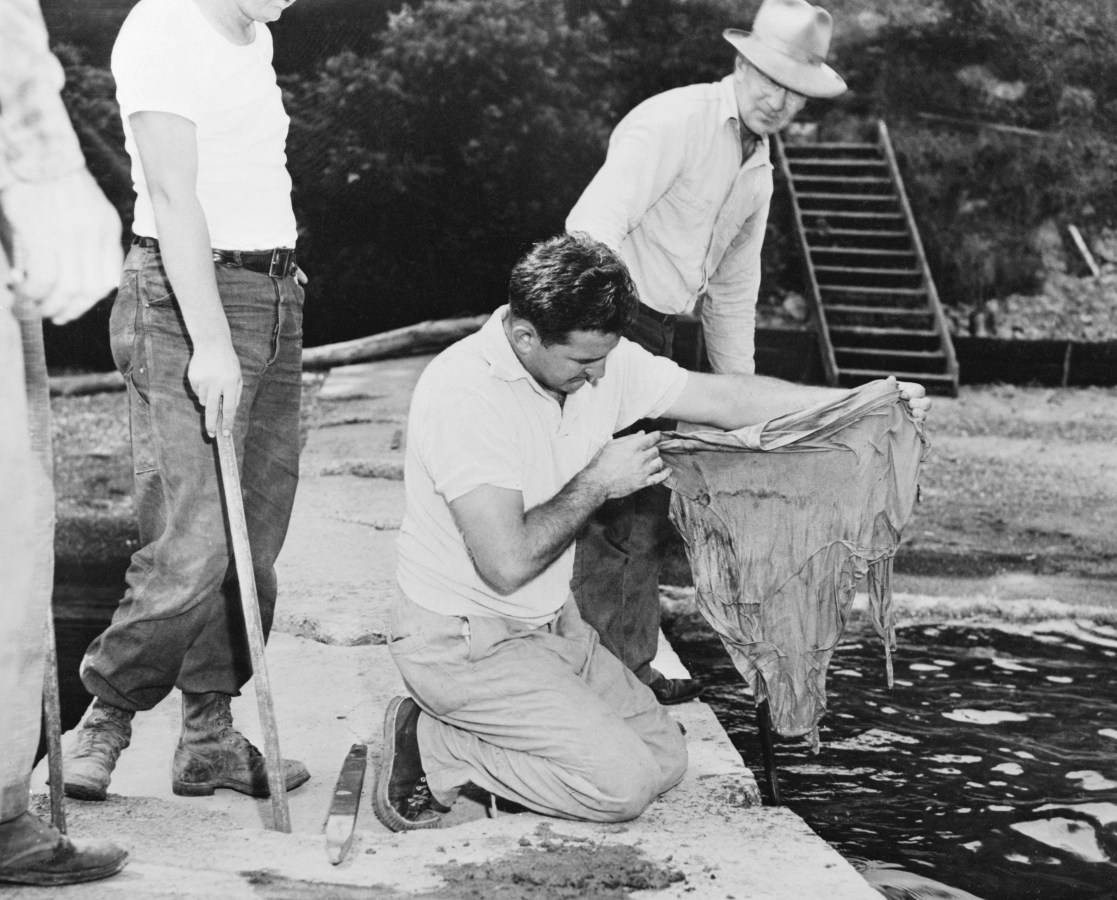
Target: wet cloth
<point>782,522</point>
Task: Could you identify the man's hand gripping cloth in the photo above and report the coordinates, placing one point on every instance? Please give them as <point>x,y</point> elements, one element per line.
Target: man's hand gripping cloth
<point>782,521</point>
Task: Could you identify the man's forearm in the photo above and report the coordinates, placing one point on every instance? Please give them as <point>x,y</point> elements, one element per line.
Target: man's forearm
<point>758,398</point>
<point>551,527</point>
<point>188,259</point>
<point>736,401</point>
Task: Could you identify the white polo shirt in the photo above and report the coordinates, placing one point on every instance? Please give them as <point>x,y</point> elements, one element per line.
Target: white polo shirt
<point>477,417</point>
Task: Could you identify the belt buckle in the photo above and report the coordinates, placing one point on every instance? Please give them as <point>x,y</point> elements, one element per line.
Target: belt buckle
<point>281,262</point>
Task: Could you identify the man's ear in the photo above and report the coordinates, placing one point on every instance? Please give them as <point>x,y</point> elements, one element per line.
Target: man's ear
<point>524,336</point>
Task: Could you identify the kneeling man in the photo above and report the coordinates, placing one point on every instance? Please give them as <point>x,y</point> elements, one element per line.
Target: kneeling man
<point>509,452</point>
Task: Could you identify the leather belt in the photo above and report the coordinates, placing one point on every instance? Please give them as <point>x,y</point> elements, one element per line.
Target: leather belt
<point>278,263</point>
<point>656,315</point>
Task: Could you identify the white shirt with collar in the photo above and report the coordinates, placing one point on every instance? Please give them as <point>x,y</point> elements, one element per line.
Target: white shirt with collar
<point>687,212</point>
<point>478,417</point>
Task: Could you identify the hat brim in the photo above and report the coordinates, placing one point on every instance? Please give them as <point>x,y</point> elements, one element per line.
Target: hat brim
<point>815,80</point>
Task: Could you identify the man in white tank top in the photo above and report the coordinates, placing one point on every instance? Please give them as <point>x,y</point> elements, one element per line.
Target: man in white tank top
<point>207,330</point>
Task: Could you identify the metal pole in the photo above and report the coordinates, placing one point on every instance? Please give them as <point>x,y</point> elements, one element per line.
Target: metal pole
<point>250,604</point>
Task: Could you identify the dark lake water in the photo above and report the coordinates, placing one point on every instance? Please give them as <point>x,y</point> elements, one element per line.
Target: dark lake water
<point>990,767</point>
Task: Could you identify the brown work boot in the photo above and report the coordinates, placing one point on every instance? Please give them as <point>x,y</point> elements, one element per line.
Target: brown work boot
<point>88,766</point>
<point>212,754</point>
<point>31,852</point>
<point>402,799</point>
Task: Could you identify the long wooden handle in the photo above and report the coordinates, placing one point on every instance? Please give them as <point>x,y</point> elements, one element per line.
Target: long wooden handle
<point>250,604</point>
<point>52,716</point>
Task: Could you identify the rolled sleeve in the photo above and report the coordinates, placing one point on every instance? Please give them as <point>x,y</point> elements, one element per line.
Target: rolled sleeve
<point>729,309</point>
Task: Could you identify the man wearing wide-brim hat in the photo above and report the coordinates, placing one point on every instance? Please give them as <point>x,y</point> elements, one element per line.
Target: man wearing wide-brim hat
<point>683,196</point>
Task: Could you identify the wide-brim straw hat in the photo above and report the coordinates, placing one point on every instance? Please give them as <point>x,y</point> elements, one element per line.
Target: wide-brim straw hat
<point>788,43</point>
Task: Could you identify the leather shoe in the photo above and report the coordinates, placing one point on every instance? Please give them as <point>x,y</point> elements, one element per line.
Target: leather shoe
<point>402,799</point>
<point>32,852</point>
<point>669,691</point>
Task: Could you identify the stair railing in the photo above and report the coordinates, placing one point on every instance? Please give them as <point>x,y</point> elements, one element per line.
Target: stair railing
<point>928,282</point>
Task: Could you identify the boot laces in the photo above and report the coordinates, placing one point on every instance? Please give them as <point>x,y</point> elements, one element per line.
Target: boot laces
<point>420,800</point>
<point>100,738</point>
<point>223,721</point>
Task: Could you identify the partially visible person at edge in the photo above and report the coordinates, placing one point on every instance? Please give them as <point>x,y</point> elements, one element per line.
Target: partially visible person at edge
<point>509,452</point>
<point>683,196</point>
<point>61,253</point>
<point>207,330</point>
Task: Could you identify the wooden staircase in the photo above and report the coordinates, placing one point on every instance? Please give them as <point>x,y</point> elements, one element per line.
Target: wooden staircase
<point>877,310</point>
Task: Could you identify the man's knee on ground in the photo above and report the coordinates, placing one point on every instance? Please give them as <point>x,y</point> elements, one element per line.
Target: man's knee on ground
<point>625,787</point>
<point>673,763</point>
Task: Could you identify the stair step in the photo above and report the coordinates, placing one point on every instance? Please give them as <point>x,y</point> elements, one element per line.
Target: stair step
<point>876,310</point>
<point>865,270</point>
<point>860,198</point>
<point>858,232</point>
<point>851,289</point>
<point>851,214</point>
<point>862,251</point>
<point>926,355</point>
<point>842,179</point>
<point>872,162</point>
<point>903,375</point>
<point>871,331</point>
<point>796,149</point>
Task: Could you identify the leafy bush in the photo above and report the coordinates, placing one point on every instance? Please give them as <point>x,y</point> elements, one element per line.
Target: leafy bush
<point>424,170</point>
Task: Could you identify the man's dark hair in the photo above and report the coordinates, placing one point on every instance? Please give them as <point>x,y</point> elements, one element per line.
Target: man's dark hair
<point>572,283</point>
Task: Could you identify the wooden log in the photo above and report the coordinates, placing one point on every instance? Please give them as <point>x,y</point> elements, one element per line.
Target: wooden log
<point>96,383</point>
<point>408,341</point>
<point>423,337</point>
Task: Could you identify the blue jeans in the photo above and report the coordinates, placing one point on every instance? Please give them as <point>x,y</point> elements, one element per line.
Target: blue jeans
<point>618,552</point>
<point>179,623</point>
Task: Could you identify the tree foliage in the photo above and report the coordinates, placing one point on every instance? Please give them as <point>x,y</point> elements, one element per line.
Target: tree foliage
<point>424,169</point>
<point>432,149</point>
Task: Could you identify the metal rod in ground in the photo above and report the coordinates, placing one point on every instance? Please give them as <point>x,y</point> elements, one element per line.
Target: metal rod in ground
<point>52,718</point>
<point>768,749</point>
<point>250,604</point>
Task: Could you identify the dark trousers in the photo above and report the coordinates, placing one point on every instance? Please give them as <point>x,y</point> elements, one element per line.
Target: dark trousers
<point>618,553</point>
<point>180,623</point>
